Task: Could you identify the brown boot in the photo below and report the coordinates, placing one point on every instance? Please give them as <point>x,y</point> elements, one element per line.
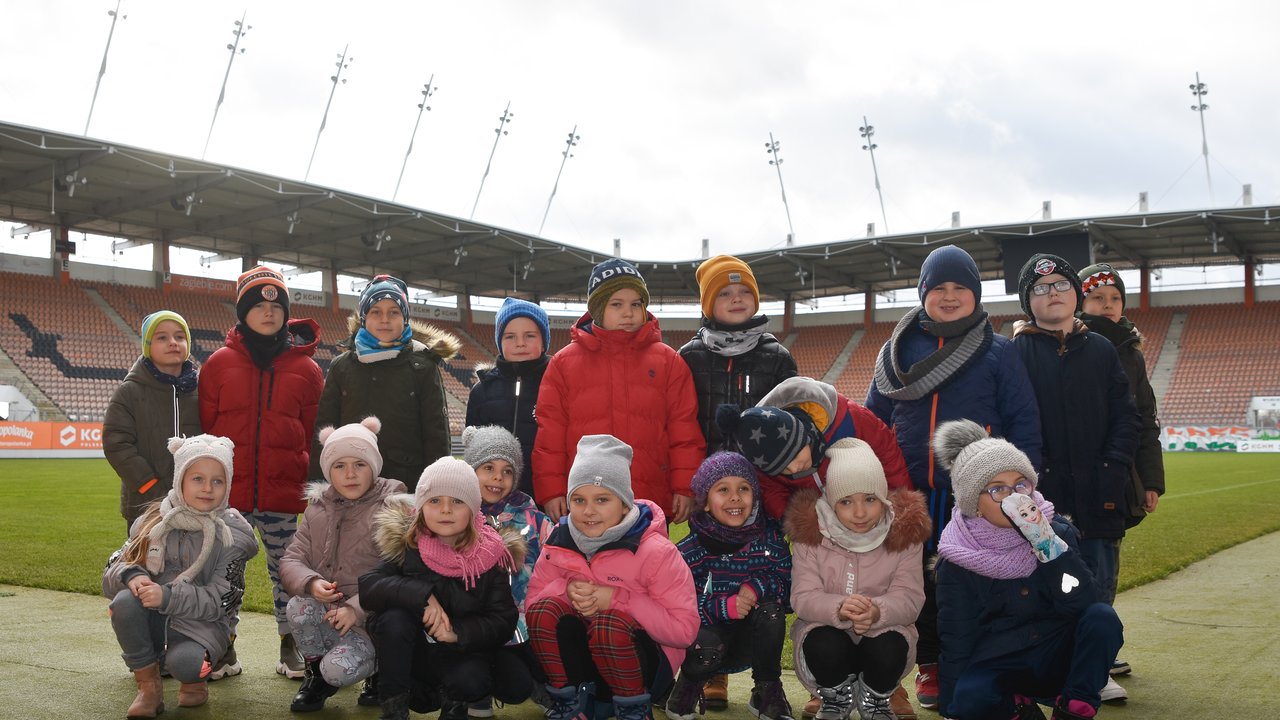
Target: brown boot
<point>901,704</point>
<point>811,708</point>
<point>193,694</point>
<point>715,694</point>
<point>150,700</point>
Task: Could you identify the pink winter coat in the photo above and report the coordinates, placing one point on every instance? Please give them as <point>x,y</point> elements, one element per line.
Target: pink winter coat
<point>631,386</point>
<point>823,574</point>
<point>653,583</point>
<point>334,541</point>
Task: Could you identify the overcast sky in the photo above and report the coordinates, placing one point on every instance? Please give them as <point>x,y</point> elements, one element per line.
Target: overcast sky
<point>988,108</point>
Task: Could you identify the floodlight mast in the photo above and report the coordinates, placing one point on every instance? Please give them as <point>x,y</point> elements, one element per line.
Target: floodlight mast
<point>102,70</point>
<point>566,154</point>
<point>427,91</point>
<point>240,31</point>
<point>867,132</point>
<point>1199,89</point>
<point>342,64</point>
<point>498,133</point>
<point>773,147</point>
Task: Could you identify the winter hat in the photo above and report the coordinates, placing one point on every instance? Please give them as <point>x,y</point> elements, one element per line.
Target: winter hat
<point>718,273</point>
<point>357,440</point>
<point>176,514</point>
<point>854,468</point>
<point>950,263</point>
<point>258,285</point>
<point>491,442</point>
<point>385,287</point>
<point>770,437</point>
<point>513,308</point>
<point>974,458</point>
<point>150,322</point>
<point>718,467</point>
<point>1038,266</point>
<point>449,477</point>
<point>1098,275</point>
<point>604,461</point>
<point>608,278</point>
<point>187,450</point>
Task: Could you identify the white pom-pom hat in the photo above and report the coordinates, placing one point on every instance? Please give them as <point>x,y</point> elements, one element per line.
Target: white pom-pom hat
<point>188,450</point>
<point>357,440</point>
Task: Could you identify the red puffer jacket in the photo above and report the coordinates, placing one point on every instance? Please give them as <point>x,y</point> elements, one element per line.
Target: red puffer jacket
<point>270,416</point>
<point>631,386</point>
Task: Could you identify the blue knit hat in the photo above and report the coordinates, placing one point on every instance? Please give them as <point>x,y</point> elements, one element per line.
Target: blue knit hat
<point>770,437</point>
<point>513,308</point>
<point>385,287</point>
<point>950,263</point>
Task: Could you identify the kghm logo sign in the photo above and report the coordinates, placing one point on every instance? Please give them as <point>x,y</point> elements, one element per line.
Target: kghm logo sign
<point>67,435</point>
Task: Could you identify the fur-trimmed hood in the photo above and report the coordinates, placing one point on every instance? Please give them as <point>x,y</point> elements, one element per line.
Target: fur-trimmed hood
<point>911,524</point>
<point>431,338</point>
<point>392,523</point>
<point>321,491</point>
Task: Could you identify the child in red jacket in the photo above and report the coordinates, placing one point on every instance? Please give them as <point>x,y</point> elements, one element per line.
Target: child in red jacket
<point>262,390</point>
<point>618,378</point>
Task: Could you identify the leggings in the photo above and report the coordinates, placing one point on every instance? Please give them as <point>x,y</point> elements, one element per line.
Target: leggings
<point>277,531</point>
<point>145,639</point>
<point>832,656</point>
<point>344,659</point>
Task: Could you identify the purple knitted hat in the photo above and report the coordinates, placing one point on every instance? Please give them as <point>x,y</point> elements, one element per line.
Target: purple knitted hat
<point>719,466</point>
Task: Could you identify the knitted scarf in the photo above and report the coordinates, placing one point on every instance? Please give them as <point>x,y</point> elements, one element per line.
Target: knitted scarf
<point>185,382</point>
<point>501,510</point>
<point>589,546</point>
<point>705,526</point>
<point>976,545</point>
<point>264,349</point>
<point>942,364</point>
<point>370,349</point>
<point>176,515</point>
<point>1116,332</point>
<point>832,529</point>
<point>732,340</point>
<point>469,564</point>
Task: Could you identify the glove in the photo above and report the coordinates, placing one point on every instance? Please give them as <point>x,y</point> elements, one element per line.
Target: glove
<point>1034,526</point>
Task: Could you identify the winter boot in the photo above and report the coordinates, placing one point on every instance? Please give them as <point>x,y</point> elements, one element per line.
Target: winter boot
<point>314,690</point>
<point>150,699</point>
<point>811,707</point>
<point>633,707</point>
<point>901,704</point>
<point>369,694</point>
<point>685,701</point>
<point>716,692</point>
<point>572,703</point>
<point>228,665</point>
<point>396,708</point>
<point>1024,708</point>
<point>453,710</point>
<point>291,664</point>
<point>1065,709</point>
<point>838,701</point>
<point>193,694</point>
<point>874,705</point>
<point>482,708</point>
<point>769,701</point>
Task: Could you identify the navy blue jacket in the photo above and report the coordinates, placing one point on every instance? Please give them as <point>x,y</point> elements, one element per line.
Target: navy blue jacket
<point>981,617</point>
<point>1088,421</point>
<point>994,392</point>
<point>493,401</point>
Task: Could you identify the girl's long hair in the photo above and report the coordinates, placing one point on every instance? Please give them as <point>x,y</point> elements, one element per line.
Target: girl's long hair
<point>468,538</point>
<point>136,553</point>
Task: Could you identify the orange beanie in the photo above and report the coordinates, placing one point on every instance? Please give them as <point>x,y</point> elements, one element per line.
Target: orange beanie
<point>719,272</point>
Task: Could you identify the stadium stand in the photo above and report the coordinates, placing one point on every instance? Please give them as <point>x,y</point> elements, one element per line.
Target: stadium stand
<point>856,376</point>
<point>816,347</point>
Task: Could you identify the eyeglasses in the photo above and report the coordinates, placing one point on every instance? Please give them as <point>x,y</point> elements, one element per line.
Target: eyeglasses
<point>1000,492</point>
<point>1043,288</point>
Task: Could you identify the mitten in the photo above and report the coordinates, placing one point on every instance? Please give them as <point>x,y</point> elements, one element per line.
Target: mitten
<point>1034,526</point>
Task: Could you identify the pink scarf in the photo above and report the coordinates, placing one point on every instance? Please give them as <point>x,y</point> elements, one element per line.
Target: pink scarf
<point>976,545</point>
<point>469,564</point>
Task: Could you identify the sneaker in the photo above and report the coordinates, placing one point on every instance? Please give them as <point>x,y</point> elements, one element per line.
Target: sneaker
<point>811,707</point>
<point>769,701</point>
<point>291,664</point>
<point>1120,667</point>
<point>685,701</point>
<point>901,704</point>
<point>540,697</point>
<point>228,666</point>
<point>481,708</point>
<point>369,693</point>
<point>635,707</point>
<point>874,705</point>
<point>838,702</point>
<point>927,686</point>
<point>1112,692</point>
<point>572,703</point>
<point>453,710</point>
<point>716,692</point>
<point>1025,708</point>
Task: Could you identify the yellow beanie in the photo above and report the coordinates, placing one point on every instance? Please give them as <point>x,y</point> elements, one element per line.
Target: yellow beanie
<point>719,272</point>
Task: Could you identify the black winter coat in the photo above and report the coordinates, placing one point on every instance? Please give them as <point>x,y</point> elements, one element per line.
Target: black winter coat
<point>506,394</point>
<point>740,380</point>
<point>1088,421</point>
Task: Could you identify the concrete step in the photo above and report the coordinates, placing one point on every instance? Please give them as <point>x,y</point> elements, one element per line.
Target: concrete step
<point>842,359</point>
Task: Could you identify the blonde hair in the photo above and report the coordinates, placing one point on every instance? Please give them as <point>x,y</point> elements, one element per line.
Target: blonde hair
<point>140,543</point>
<point>468,537</point>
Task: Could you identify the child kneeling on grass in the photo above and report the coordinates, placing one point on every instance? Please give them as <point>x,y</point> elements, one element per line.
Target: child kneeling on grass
<point>741,569</point>
<point>856,584</point>
<point>611,603</point>
<point>1019,613</point>
<point>172,584</point>
<point>322,567</point>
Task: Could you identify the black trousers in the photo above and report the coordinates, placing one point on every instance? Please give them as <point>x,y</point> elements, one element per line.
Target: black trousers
<point>832,656</point>
<point>756,640</point>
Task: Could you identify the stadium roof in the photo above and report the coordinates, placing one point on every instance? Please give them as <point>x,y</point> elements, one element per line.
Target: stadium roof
<point>104,188</point>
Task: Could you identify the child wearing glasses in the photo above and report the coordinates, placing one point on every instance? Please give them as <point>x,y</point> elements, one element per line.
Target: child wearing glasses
<point>1019,612</point>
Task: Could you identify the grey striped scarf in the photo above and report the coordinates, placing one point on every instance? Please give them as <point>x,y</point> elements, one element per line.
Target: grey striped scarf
<point>941,365</point>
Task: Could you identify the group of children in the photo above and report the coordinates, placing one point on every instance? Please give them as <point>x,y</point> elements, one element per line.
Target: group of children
<point>539,565</point>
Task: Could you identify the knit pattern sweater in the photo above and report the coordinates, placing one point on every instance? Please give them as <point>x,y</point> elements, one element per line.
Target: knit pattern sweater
<point>764,565</point>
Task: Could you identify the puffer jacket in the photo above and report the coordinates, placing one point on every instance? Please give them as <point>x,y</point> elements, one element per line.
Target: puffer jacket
<point>1088,422</point>
<point>269,415</point>
<point>334,541</point>
<point>405,392</point>
<point>981,617</point>
<point>204,608</point>
<point>135,433</point>
<point>837,417</point>
<point>527,521</point>
<point>506,394</point>
<point>651,581</point>
<point>993,391</point>
<point>741,380</point>
<point>1149,462</point>
<point>631,386</point>
<point>823,574</point>
<point>483,616</point>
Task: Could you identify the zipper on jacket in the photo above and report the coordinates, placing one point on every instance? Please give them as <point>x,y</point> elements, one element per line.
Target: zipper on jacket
<point>515,416</point>
<point>257,441</point>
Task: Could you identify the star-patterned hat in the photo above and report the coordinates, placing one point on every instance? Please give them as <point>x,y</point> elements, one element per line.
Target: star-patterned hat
<point>769,437</point>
